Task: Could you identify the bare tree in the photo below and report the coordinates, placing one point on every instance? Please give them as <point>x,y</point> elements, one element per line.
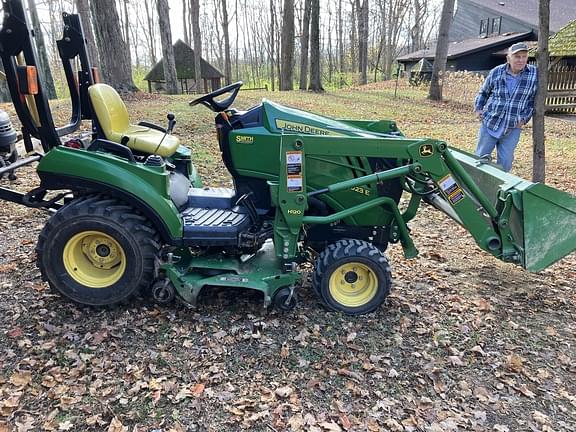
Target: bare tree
<point>272,25</point>
<point>44,65</point>
<point>439,68</point>
<point>304,38</point>
<point>150,34</point>
<point>84,11</point>
<point>116,67</point>
<point>196,35</point>
<point>185,21</point>
<point>287,66</point>
<point>315,77</point>
<point>167,48</point>
<point>538,137</point>
<point>127,30</point>
<point>353,36</point>
<point>341,55</point>
<point>362,11</point>
<point>417,31</point>
<point>227,63</point>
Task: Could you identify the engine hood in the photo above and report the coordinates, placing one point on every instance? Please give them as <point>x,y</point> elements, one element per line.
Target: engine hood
<point>282,119</point>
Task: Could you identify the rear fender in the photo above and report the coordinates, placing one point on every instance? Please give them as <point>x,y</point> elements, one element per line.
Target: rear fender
<point>146,188</point>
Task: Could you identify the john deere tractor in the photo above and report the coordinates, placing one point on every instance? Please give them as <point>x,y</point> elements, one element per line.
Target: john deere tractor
<point>131,215</point>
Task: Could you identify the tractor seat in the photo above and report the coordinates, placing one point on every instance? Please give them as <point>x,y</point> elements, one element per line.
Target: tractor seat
<point>114,122</point>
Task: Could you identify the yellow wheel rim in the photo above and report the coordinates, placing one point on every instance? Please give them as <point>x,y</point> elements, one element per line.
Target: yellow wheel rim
<point>353,284</point>
<point>94,259</point>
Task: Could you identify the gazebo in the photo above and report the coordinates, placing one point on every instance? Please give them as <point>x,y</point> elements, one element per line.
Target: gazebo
<point>184,59</point>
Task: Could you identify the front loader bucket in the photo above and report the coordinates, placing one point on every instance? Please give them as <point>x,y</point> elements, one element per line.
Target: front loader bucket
<point>542,219</point>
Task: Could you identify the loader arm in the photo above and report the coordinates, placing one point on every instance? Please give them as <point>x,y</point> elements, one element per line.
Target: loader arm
<point>431,171</point>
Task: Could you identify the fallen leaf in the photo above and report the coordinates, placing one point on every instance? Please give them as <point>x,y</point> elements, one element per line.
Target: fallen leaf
<point>345,421</point>
<point>330,426</point>
<point>116,426</point>
<point>283,392</point>
<point>65,425</point>
<point>456,361</point>
<point>198,389</point>
<point>540,418</point>
<point>514,363</point>
<point>525,391</point>
<point>15,332</point>
<point>21,378</point>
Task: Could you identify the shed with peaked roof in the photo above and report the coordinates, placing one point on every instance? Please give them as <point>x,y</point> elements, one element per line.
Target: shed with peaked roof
<point>184,59</point>
<point>478,54</point>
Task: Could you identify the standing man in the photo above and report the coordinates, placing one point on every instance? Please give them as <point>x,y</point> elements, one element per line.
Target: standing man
<point>505,104</point>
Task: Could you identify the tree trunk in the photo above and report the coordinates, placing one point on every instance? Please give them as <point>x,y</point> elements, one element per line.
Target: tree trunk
<point>185,21</point>
<point>315,76</point>
<point>167,48</point>
<point>439,67</point>
<point>287,66</point>
<point>150,33</point>
<point>341,55</point>
<point>363,41</point>
<point>304,39</point>
<point>227,62</point>
<point>538,137</point>
<point>84,11</point>
<point>127,31</point>
<point>44,65</point>
<point>272,36</point>
<point>417,30</point>
<point>353,38</point>
<point>196,35</point>
<point>116,68</point>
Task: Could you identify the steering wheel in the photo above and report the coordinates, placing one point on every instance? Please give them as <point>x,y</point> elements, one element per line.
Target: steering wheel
<point>211,103</point>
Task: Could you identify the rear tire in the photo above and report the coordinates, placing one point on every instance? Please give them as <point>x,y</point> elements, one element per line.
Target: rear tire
<point>98,251</point>
<point>352,276</point>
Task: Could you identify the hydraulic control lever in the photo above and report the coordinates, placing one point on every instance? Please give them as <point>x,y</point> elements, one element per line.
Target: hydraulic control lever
<point>171,123</point>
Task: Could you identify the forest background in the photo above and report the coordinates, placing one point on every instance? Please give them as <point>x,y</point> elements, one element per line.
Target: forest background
<point>272,43</point>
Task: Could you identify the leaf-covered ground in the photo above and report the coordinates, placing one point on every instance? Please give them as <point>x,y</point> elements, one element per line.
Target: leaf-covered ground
<point>464,342</point>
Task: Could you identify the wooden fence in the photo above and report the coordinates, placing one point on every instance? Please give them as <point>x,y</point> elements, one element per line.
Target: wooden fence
<point>562,90</point>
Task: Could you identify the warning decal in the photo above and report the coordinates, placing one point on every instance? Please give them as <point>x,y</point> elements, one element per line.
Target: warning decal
<point>294,182</point>
<point>451,189</point>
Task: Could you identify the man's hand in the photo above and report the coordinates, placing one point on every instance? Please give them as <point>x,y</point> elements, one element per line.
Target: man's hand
<point>478,115</point>
<point>521,124</point>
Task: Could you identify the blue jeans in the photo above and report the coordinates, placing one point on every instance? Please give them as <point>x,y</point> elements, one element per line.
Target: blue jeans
<point>505,145</point>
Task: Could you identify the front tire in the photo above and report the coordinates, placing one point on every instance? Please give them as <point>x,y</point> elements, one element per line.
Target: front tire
<point>352,276</point>
<point>97,251</point>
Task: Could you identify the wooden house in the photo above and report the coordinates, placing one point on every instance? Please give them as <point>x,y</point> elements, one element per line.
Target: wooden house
<point>482,30</point>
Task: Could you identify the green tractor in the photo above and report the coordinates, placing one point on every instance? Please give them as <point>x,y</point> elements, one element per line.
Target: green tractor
<point>131,215</point>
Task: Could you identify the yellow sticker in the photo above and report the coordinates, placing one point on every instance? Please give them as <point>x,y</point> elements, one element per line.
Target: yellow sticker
<point>244,139</point>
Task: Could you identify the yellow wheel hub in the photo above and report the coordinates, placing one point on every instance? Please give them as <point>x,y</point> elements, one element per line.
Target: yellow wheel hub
<point>353,284</point>
<point>94,259</point>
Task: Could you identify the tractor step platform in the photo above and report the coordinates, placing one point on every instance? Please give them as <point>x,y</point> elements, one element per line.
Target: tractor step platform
<point>214,226</point>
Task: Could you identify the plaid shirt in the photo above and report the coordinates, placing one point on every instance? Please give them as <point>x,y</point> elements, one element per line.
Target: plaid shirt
<point>498,106</point>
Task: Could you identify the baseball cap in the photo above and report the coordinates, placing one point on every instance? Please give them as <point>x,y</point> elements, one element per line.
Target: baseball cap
<point>520,46</point>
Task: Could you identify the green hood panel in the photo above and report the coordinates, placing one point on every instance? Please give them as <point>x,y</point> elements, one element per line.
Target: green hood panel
<point>279,118</point>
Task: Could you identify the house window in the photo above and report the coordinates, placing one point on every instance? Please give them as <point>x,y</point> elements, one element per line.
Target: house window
<point>496,22</point>
<point>484,27</point>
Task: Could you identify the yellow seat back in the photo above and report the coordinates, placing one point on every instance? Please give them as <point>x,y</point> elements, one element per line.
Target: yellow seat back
<point>113,118</point>
<point>110,111</point>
